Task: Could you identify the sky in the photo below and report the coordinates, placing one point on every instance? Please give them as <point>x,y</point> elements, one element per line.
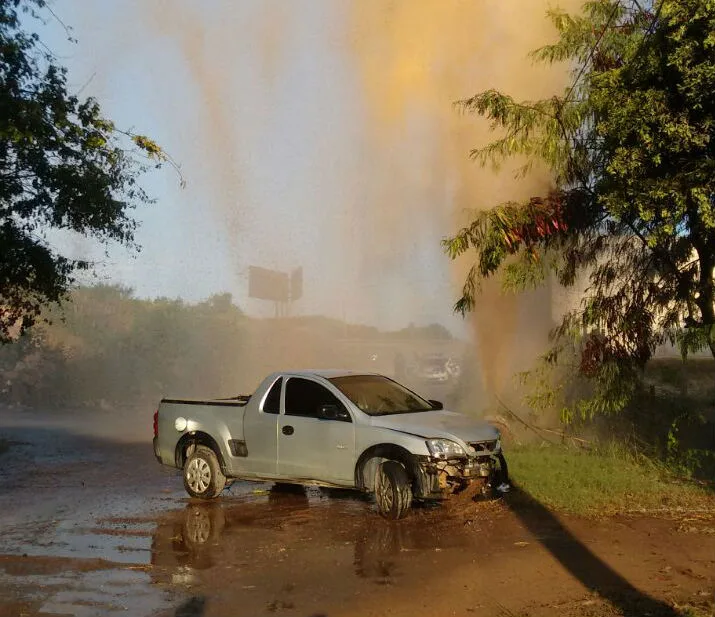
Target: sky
<point>263,108</point>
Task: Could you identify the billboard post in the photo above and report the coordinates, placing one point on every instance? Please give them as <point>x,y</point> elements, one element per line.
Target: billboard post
<point>296,284</point>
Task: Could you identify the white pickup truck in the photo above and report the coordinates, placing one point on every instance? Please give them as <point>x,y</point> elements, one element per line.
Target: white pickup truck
<point>333,429</point>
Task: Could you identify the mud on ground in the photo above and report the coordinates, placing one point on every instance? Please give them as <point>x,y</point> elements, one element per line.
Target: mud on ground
<point>95,527</point>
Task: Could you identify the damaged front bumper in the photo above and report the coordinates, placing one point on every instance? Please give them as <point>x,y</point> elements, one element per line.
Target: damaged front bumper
<point>436,478</point>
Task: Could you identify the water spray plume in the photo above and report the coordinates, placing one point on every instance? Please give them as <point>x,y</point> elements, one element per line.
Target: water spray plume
<point>406,176</point>
<point>415,59</point>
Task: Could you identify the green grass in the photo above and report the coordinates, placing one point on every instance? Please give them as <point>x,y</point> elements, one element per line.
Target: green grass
<point>603,481</point>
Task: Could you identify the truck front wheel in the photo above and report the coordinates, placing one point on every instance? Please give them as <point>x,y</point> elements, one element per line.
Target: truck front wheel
<point>393,492</point>
<point>203,477</point>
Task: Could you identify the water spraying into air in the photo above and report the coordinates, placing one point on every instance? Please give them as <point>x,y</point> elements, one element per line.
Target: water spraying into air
<point>323,135</point>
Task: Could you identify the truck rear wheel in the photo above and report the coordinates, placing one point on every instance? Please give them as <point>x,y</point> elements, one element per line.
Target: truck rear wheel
<point>393,491</point>
<point>203,477</point>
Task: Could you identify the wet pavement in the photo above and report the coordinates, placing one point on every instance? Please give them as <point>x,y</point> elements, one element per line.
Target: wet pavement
<point>60,554</point>
<point>93,526</point>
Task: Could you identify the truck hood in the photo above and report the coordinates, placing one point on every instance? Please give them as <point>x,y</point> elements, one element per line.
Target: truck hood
<point>446,424</point>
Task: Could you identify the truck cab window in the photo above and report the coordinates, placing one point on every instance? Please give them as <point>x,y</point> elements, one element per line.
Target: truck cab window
<point>305,398</point>
<point>272,402</point>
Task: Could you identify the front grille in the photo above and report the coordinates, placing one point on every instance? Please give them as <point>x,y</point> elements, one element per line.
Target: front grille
<point>484,447</point>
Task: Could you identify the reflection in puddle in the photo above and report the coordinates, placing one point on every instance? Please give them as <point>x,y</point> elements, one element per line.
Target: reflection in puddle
<point>297,525</point>
<point>269,549</point>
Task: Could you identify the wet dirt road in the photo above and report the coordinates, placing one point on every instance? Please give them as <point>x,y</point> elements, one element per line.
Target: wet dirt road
<point>92,526</point>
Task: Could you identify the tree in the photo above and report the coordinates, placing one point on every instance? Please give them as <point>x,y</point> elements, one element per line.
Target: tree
<point>631,148</point>
<point>63,166</point>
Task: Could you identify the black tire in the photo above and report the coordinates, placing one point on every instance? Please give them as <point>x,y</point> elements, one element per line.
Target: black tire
<point>203,477</point>
<point>393,491</point>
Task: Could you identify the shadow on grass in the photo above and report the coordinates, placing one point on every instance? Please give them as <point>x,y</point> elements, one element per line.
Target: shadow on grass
<point>580,562</point>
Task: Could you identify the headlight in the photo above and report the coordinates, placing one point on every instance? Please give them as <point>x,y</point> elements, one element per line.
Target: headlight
<point>445,448</point>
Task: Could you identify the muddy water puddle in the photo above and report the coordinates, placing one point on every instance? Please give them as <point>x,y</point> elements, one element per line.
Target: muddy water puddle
<point>229,531</point>
<point>255,542</point>
<point>286,553</point>
<point>269,525</point>
<point>89,526</point>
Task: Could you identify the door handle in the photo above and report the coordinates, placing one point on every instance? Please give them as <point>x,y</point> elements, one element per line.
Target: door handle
<point>287,430</point>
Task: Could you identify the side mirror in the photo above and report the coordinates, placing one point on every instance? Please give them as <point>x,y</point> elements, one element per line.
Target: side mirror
<point>328,412</point>
<point>436,404</point>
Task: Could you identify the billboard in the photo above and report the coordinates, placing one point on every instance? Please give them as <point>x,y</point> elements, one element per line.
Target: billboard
<point>267,284</point>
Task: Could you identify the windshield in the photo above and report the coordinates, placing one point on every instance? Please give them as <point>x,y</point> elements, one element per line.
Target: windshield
<point>379,396</point>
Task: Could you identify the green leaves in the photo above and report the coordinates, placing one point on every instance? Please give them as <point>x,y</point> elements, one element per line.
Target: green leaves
<point>631,148</point>
<point>62,166</point>
<point>533,130</point>
<point>152,149</point>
